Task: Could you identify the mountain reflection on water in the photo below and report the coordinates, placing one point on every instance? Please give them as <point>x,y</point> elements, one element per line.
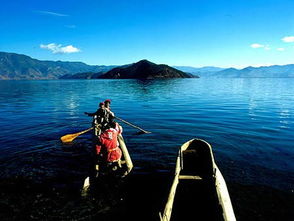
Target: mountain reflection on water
<point>249,122</point>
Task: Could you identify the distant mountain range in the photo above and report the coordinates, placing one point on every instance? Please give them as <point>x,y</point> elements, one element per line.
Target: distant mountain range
<point>204,71</point>
<point>83,75</point>
<point>275,71</point>
<point>17,66</point>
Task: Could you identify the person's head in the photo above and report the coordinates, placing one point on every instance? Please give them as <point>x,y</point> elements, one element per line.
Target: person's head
<point>101,104</point>
<point>107,103</point>
<point>112,124</point>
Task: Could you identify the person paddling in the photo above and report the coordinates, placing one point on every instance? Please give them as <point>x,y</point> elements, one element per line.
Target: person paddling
<point>109,113</point>
<point>99,117</point>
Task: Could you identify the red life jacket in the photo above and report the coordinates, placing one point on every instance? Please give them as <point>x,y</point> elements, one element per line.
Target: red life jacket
<point>109,144</point>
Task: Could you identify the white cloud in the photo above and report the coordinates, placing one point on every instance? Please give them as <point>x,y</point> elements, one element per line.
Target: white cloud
<point>58,49</point>
<point>52,13</point>
<point>257,45</point>
<point>288,39</point>
<point>281,49</point>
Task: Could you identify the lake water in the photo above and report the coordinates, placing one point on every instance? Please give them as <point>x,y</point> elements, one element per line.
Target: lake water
<point>248,122</point>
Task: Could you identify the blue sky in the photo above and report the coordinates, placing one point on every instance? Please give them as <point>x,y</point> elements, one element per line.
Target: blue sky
<point>232,33</point>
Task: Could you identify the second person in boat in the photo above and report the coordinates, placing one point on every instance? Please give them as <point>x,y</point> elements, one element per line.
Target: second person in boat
<point>103,116</point>
<point>109,113</point>
<point>107,147</point>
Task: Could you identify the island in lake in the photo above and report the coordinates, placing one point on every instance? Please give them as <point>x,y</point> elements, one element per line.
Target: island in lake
<point>145,69</point>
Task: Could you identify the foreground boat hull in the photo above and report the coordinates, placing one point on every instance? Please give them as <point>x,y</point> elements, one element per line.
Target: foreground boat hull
<point>198,191</point>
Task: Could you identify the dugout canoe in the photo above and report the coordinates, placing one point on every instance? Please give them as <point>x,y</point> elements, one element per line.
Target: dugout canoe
<point>198,190</point>
<point>126,161</point>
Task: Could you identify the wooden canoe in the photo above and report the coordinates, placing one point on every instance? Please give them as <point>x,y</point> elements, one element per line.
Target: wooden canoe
<point>198,191</point>
<point>126,162</point>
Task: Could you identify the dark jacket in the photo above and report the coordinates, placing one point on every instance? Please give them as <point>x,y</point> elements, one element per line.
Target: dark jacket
<point>99,116</point>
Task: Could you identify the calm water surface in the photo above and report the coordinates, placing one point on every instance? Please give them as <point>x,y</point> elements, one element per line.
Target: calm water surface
<point>249,122</point>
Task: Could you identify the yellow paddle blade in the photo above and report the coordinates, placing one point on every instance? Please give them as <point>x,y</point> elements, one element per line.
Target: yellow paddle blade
<point>70,137</point>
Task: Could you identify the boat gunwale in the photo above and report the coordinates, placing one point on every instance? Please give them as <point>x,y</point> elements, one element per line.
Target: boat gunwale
<point>219,184</point>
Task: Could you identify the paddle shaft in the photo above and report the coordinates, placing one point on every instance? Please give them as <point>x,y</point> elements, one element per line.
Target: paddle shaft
<point>85,131</point>
<point>132,125</point>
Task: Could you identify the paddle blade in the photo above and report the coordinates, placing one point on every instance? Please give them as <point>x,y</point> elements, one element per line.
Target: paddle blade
<point>68,138</point>
<point>147,132</point>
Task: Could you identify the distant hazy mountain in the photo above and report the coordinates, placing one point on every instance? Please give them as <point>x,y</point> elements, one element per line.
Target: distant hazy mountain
<point>17,66</point>
<point>229,72</point>
<point>199,71</point>
<point>145,69</point>
<point>275,71</point>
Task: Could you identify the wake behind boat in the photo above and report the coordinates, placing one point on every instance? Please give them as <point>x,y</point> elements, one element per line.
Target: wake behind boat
<point>198,191</point>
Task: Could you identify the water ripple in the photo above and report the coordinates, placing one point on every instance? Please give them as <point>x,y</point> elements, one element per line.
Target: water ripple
<point>249,122</point>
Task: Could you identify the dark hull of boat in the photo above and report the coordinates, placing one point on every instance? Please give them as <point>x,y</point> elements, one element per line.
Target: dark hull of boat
<point>198,191</point>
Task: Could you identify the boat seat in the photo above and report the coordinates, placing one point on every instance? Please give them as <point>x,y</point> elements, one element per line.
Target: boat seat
<point>187,177</point>
<point>189,151</point>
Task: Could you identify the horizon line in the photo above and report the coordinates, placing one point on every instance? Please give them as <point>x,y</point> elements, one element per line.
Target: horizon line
<point>191,66</point>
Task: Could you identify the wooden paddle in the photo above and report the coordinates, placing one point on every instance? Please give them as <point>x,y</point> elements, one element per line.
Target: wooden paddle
<point>132,125</point>
<point>70,137</point>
